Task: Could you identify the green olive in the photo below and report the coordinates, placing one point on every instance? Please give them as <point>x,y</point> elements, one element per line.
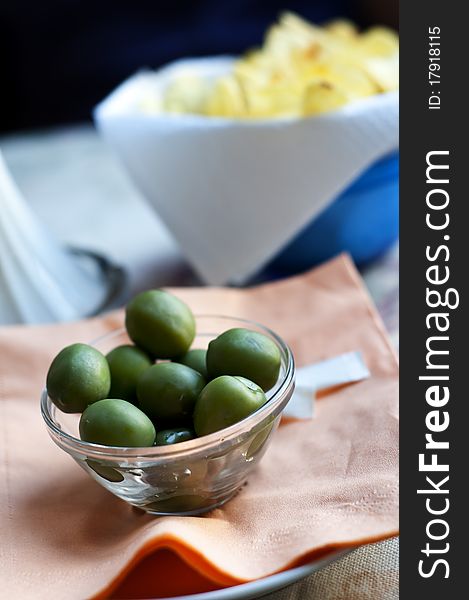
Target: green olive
<point>116,422</point>
<point>195,359</point>
<point>126,364</point>
<point>160,323</point>
<point>104,471</point>
<point>167,391</point>
<point>78,376</point>
<point>167,437</point>
<point>225,401</point>
<point>247,353</point>
<point>259,440</point>
<point>184,474</point>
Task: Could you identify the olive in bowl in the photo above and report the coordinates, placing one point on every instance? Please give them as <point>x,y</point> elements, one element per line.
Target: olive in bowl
<point>160,323</point>
<point>186,477</point>
<point>167,392</point>
<point>242,351</point>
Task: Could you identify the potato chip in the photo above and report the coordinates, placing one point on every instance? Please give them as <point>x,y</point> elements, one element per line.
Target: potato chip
<point>301,69</point>
<point>186,94</point>
<point>226,99</point>
<point>379,41</point>
<point>295,26</point>
<point>274,100</point>
<point>354,80</point>
<point>384,72</point>
<point>343,29</point>
<point>321,98</point>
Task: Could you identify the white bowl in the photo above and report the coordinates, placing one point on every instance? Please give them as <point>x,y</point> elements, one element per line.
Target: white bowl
<point>234,191</point>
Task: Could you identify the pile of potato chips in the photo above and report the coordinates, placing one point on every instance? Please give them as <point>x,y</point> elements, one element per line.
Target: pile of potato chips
<point>301,70</point>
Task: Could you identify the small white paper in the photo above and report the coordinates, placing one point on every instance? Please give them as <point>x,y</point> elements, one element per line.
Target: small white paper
<point>234,192</point>
<point>345,368</point>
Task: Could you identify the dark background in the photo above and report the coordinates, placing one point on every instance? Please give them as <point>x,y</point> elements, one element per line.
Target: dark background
<point>58,58</point>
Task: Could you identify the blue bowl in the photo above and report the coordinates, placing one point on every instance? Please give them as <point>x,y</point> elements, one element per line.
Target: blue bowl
<point>363,220</point>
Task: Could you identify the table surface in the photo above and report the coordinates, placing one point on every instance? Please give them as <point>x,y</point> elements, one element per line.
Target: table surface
<point>76,186</point>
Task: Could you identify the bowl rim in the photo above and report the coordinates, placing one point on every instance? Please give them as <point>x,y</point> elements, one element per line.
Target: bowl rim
<point>106,107</point>
<point>205,444</point>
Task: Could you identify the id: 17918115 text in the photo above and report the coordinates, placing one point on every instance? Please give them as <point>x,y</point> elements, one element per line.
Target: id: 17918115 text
<point>434,68</point>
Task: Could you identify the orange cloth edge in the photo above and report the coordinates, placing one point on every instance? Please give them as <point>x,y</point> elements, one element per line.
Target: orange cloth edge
<point>198,562</point>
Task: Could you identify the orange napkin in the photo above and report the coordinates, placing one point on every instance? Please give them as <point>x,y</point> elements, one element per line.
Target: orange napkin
<point>323,484</point>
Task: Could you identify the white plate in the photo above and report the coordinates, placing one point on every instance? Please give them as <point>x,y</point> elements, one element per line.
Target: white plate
<point>260,587</point>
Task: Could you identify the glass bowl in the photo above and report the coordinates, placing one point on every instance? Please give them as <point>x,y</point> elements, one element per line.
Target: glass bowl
<point>187,478</point>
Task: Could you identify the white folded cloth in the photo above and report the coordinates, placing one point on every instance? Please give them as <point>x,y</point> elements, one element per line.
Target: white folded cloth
<point>40,281</point>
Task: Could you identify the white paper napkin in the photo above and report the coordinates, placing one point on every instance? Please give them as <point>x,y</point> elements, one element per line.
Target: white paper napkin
<point>233,192</point>
<point>344,368</point>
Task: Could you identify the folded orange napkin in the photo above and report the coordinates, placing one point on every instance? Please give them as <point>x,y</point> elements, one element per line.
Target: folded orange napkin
<point>324,484</point>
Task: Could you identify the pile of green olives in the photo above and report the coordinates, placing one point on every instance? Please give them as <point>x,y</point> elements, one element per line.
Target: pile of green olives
<point>160,391</point>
